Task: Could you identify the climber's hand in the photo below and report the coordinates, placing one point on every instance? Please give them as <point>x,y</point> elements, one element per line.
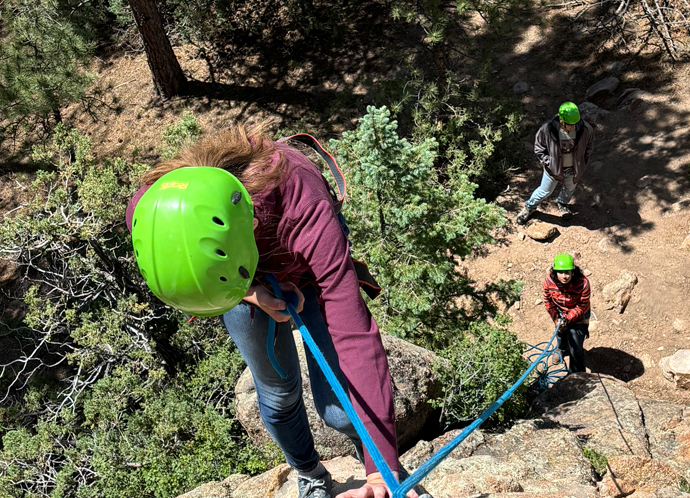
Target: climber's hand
<point>374,488</point>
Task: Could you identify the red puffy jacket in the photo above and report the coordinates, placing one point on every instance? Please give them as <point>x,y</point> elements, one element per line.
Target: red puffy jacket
<point>571,300</point>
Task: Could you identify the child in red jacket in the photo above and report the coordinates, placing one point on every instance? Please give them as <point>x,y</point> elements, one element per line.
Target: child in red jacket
<point>566,297</point>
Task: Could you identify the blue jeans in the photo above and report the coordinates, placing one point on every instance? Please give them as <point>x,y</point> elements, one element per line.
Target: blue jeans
<point>548,185</point>
<point>280,400</point>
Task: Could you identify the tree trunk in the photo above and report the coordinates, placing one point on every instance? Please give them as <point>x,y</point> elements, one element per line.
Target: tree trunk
<point>168,78</point>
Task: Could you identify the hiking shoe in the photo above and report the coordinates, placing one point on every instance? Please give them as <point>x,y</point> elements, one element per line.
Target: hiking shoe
<point>524,215</point>
<point>565,213</point>
<point>315,487</point>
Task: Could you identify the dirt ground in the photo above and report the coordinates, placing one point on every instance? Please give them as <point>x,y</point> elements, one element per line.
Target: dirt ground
<point>645,233</point>
<point>633,228</point>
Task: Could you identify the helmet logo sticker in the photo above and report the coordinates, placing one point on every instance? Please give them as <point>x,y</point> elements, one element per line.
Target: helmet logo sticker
<point>236,197</point>
<point>167,185</point>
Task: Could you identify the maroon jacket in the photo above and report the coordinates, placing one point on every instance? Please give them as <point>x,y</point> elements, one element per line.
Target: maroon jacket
<point>299,235</point>
<point>569,300</point>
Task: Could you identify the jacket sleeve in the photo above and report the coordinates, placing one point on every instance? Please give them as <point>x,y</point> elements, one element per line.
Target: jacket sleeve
<point>589,146</point>
<point>551,307</point>
<point>316,236</point>
<point>578,312</point>
<point>541,148</point>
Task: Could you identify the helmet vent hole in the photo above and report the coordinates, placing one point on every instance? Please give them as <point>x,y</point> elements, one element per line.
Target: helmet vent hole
<point>236,197</point>
<point>218,221</point>
<point>223,279</point>
<point>243,272</point>
<point>220,253</point>
<point>134,223</point>
<point>136,252</point>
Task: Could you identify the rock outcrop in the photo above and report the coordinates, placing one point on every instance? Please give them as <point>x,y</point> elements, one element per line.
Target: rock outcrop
<point>414,384</point>
<point>645,445</point>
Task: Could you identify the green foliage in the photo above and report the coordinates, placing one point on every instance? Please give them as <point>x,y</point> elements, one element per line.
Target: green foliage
<point>44,62</point>
<point>597,460</point>
<point>111,393</point>
<point>484,363</point>
<point>180,134</point>
<point>409,227</point>
<point>477,129</point>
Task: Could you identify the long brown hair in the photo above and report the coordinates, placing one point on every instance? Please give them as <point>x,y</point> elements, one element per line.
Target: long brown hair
<point>248,152</point>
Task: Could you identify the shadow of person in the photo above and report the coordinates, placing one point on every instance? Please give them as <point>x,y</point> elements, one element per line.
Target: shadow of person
<point>615,363</point>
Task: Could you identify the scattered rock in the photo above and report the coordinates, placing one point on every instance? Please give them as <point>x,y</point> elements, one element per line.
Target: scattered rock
<point>604,87</point>
<point>538,302</point>
<point>686,243</point>
<point>679,325</point>
<point>631,98</point>
<point>614,67</point>
<point>607,244</point>
<point>592,113</point>
<point>517,305</point>
<point>520,87</point>
<point>618,293</point>
<point>542,231</point>
<point>676,368</point>
<point>597,201</point>
<point>586,272</point>
<point>644,182</point>
<point>593,326</point>
<point>521,236</point>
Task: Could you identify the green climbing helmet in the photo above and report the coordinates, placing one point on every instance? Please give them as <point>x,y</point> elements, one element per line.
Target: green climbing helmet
<point>569,113</point>
<point>563,262</point>
<point>193,237</point>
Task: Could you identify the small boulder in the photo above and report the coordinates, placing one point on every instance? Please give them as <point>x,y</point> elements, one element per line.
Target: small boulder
<point>604,87</point>
<point>645,181</point>
<point>615,67</point>
<point>618,293</point>
<point>614,487</point>
<point>631,98</point>
<point>541,232</point>
<point>412,390</point>
<point>592,113</point>
<point>607,244</point>
<point>520,87</point>
<point>676,368</point>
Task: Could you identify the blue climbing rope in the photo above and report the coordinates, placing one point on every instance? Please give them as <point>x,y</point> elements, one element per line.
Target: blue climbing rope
<point>398,489</point>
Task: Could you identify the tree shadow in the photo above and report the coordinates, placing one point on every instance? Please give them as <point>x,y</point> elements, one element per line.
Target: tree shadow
<point>614,362</point>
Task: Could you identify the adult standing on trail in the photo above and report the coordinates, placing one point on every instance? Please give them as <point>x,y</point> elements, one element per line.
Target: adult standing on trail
<point>566,296</point>
<point>564,147</point>
<point>208,225</point>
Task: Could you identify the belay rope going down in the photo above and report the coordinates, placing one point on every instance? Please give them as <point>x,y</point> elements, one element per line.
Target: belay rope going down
<point>398,489</point>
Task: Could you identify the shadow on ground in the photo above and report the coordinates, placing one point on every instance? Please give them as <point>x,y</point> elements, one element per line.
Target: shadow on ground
<point>614,362</point>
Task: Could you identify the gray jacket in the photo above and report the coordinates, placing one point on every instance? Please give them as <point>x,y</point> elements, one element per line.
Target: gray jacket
<point>547,147</point>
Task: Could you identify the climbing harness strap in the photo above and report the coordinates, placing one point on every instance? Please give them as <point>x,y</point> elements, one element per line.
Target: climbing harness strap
<point>366,281</point>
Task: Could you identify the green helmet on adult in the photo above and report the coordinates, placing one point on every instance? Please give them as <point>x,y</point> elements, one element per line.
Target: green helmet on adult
<point>193,237</point>
<point>569,113</point>
<point>563,262</point>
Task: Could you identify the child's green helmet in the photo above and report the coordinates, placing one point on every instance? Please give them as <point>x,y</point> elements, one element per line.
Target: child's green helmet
<point>193,237</point>
<point>563,262</point>
<point>569,113</point>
